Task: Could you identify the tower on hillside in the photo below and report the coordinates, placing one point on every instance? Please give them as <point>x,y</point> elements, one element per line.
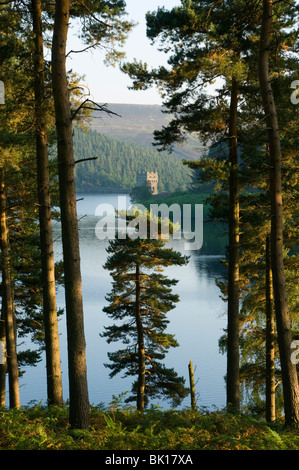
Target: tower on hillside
<point>149,177</point>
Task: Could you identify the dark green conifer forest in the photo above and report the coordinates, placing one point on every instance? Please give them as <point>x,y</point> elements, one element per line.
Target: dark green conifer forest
<point>117,164</point>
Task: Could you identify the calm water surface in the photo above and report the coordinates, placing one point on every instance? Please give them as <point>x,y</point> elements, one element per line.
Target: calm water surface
<point>197,321</point>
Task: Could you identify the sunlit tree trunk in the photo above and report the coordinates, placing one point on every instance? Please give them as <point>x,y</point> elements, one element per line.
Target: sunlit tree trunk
<point>79,402</point>
<point>284,333</point>
<point>54,383</point>
<point>141,347</point>
<point>270,350</point>
<point>2,361</point>
<point>8,302</point>
<point>192,386</point>
<point>233,367</point>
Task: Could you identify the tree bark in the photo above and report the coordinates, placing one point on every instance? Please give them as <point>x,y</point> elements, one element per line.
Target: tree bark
<point>192,386</point>
<point>54,384</point>
<point>270,350</point>
<point>3,367</point>
<point>233,367</point>
<point>284,333</point>
<point>8,302</point>
<point>141,347</point>
<point>79,401</point>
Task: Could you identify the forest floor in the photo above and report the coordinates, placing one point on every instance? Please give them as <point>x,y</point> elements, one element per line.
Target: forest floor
<point>40,428</point>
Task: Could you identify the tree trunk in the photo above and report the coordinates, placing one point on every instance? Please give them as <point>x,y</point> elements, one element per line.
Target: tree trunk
<point>8,302</point>
<point>192,386</point>
<point>3,367</point>
<point>270,351</point>
<point>141,347</point>
<point>54,384</point>
<point>79,401</point>
<point>233,374</point>
<point>284,333</point>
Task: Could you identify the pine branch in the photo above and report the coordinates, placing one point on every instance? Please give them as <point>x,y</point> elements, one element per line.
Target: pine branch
<point>92,15</point>
<point>85,159</point>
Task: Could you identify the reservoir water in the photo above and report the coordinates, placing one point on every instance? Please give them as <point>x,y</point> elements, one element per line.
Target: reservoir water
<point>197,321</point>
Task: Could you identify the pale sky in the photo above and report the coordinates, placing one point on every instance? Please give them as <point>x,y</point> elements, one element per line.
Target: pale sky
<point>109,84</point>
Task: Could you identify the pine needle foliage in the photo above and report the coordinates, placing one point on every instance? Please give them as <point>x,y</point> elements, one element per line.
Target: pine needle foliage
<point>139,302</point>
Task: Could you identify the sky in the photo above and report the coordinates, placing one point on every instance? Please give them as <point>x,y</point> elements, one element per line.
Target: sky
<point>109,84</point>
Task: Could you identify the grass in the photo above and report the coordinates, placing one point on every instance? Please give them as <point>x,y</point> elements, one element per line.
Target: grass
<point>40,428</point>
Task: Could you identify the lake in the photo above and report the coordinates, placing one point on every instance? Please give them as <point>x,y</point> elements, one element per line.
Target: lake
<point>197,321</point>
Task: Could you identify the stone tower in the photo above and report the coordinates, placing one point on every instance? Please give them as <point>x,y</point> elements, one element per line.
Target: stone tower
<point>149,177</point>
<point>152,180</point>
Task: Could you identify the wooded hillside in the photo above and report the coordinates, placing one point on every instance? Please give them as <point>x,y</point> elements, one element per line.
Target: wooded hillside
<point>136,123</point>
<point>118,163</point>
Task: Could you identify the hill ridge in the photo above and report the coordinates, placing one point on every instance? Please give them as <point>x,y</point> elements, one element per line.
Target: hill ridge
<point>136,124</point>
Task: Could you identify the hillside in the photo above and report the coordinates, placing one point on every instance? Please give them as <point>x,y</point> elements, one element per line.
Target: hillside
<point>136,124</point>
<point>123,145</point>
<point>117,164</point>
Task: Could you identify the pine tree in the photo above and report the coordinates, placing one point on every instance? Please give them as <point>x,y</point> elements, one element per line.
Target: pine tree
<point>54,383</point>
<point>206,41</point>
<point>8,300</point>
<point>140,299</point>
<point>289,371</point>
<point>100,24</point>
<point>79,401</point>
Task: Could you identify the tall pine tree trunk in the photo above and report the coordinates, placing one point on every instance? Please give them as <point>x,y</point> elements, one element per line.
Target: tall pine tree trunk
<point>270,351</point>
<point>233,374</point>
<point>79,401</point>
<point>2,360</point>
<point>8,302</point>
<point>54,384</point>
<point>284,333</point>
<point>141,347</point>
